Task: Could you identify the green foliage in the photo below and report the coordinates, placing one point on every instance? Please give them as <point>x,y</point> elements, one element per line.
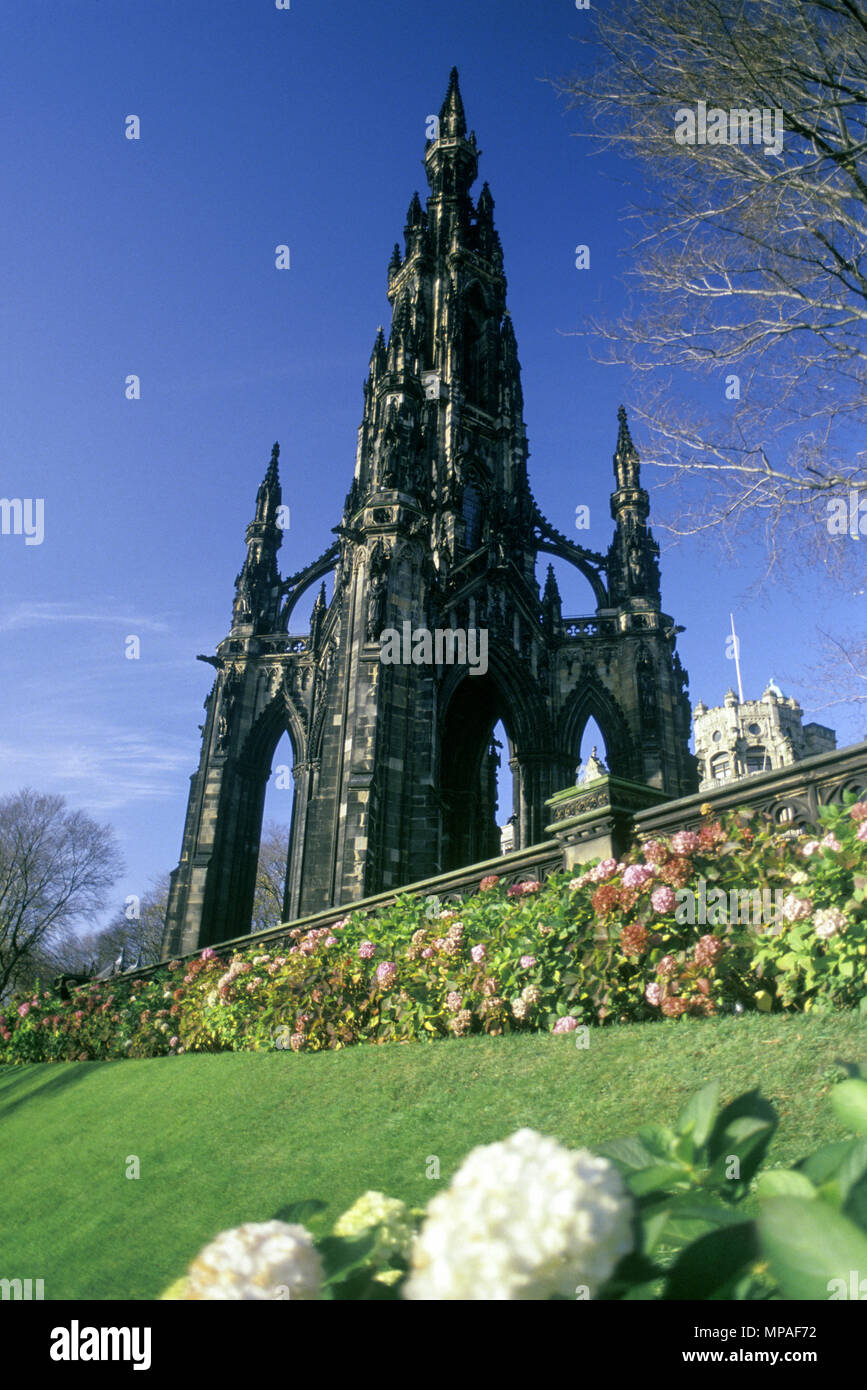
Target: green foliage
<point>661,935</point>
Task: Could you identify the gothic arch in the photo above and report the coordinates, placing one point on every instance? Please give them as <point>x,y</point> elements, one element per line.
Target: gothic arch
<point>279,717</point>
<point>526,717</point>
<point>591,700</point>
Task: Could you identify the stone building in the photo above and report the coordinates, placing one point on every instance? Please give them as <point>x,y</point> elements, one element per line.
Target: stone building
<point>737,739</point>
<point>394,765</point>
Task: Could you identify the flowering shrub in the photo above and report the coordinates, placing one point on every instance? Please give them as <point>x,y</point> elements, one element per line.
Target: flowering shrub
<point>657,1216</point>
<point>615,942</point>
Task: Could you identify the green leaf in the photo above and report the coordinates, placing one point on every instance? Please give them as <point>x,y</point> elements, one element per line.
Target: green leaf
<point>751,1104</point>
<point>707,1268</point>
<point>822,1165</point>
<point>342,1255</point>
<point>626,1153</point>
<point>658,1139</point>
<point>655,1179</point>
<point>784,1182</point>
<point>849,1102</point>
<point>808,1245</point>
<point>699,1113</point>
<point>297,1213</point>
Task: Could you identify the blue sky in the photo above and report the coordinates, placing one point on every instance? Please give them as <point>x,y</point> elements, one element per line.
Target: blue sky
<point>156,257</point>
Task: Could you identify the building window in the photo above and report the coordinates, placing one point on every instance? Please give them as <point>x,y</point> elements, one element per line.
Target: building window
<point>757,760</point>
<point>472,513</point>
<point>720,768</point>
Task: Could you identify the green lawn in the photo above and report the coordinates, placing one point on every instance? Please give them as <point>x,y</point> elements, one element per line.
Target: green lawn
<point>237,1136</point>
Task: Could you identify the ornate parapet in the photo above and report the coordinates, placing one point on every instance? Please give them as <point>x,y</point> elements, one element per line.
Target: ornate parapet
<point>595,819</point>
<point>788,797</point>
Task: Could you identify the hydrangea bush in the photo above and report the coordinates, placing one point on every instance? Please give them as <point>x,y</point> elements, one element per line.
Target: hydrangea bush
<point>661,1215</point>
<point>614,942</point>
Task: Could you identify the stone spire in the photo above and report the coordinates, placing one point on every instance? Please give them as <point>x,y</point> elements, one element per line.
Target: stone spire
<point>453,122</point>
<point>257,586</point>
<point>633,569</point>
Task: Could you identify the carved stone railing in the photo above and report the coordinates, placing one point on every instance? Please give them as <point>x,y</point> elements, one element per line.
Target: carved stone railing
<point>788,797</point>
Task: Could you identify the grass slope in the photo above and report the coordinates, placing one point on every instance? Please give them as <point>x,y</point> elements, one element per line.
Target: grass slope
<point>234,1137</point>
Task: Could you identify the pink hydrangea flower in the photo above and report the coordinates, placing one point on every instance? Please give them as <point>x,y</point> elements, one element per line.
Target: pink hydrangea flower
<point>606,869</point>
<point>208,954</point>
<point>477,954</point>
<point>568,1024</point>
<point>527,962</point>
<point>859,810</point>
<point>366,950</point>
<point>684,842</point>
<point>427,952</point>
<point>386,972</point>
<point>809,848</point>
<point>667,966</point>
<point>663,899</point>
<point>23,1010</point>
<point>173,1042</point>
<point>453,1001</point>
<point>636,875</point>
<point>330,940</point>
<point>861,833</point>
<point>653,993</point>
<point>831,842</point>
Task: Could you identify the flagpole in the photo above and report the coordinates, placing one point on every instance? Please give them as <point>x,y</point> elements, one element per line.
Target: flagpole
<point>736,646</point>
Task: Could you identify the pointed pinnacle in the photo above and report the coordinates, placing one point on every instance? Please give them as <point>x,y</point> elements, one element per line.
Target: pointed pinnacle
<point>452,119</point>
<point>624,438</point>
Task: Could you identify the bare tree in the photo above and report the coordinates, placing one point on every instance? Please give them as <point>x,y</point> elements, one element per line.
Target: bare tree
<point>747,122</point>
<point>136,932</point>
<point>56,867</point>
<point>270,877</point>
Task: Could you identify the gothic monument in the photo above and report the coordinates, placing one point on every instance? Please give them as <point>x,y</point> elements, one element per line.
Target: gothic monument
<point>394,765</point>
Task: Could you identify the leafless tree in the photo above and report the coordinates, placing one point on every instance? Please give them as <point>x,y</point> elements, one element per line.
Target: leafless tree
<point>136,931</point>
<point>749,264</point>
<point>270,877</point>
<point>56,866</point>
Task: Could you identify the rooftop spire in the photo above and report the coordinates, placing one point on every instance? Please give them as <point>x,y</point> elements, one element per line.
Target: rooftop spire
<point>453,122</point>
<point>626,461</point>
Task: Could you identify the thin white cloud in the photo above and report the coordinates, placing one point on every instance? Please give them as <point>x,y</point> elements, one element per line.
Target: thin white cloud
<point>98,770</point>
<point>30,615</point>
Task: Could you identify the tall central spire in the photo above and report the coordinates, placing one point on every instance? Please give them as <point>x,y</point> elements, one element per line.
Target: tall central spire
<point>443,404</point>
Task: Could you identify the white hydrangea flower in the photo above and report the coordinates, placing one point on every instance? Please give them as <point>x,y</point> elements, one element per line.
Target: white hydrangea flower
<point>390,1214</point>
<point>522,1219</point>
<point>265,1260</point>
<point>828,922</point>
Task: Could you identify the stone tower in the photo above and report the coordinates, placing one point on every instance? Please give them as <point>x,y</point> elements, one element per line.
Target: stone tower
<point>394,765</point>
<point>737,739</point>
